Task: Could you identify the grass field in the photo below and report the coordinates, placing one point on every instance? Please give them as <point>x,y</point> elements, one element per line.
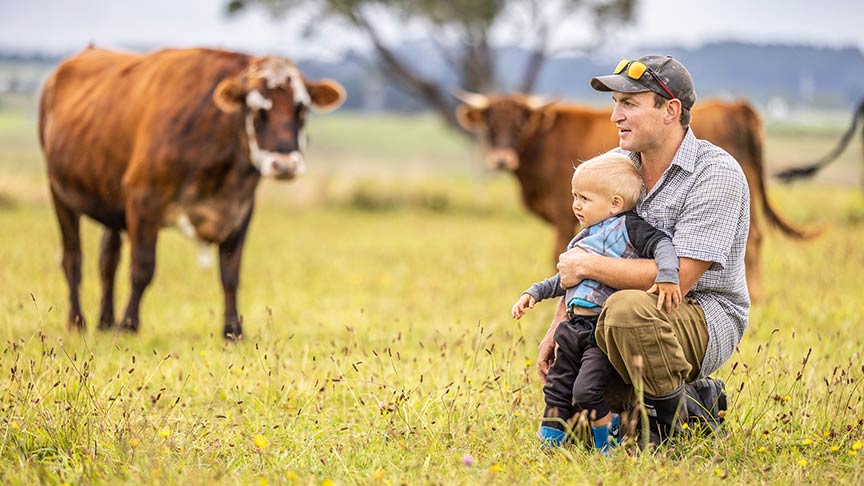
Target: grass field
<point>379,349</point>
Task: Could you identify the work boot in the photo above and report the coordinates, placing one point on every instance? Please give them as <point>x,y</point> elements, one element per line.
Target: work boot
<point>706,405</point>
<point>665,415</point>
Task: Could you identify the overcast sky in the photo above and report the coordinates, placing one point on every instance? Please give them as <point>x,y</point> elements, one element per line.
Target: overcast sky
<point>68,25</point>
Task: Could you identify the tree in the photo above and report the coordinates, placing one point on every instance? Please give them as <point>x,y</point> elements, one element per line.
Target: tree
<point>462,31</point>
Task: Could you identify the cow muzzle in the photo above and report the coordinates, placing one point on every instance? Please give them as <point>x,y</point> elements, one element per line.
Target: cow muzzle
<point>281,166</point>
<point>502,159</point>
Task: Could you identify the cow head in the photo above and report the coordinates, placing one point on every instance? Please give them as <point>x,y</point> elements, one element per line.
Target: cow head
<point>274,98</point>
<point>508,123</point>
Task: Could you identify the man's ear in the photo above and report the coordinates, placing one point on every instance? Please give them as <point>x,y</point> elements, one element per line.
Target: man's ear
<point>673,110</point>
<point>326,95</point>
<point>470,118</point>
<point>230,95</point>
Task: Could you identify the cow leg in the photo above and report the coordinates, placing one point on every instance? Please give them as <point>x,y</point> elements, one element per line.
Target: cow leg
<point>69,231</point>
<point>143,228</point>
<point>230,254</point>
<point>109,256</point>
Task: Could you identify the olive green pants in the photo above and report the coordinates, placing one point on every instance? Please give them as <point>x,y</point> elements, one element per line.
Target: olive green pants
<point>659,349</point>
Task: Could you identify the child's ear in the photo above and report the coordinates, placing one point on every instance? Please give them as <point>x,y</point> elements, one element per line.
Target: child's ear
<point>617,204</point>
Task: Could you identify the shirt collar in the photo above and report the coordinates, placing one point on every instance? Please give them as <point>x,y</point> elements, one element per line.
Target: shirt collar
<point>685,157</point>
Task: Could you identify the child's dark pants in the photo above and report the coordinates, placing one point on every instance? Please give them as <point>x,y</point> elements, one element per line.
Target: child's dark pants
<point>579,376</point>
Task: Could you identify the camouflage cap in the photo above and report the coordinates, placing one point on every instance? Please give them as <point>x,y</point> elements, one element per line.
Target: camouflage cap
<point>672,73</point>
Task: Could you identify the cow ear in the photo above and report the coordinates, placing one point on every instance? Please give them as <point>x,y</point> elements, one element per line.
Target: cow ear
<point>470,118</point>
<point>546,120</point>
<point>229,95</point>
<point>326,95</point>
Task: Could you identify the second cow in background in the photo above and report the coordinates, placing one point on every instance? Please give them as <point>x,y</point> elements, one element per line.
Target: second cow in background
<point>540,141</point>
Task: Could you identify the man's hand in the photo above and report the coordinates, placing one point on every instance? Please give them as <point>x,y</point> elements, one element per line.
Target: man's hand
<point>545,356</point>
<point>525,300</point>
<point>668,294</point>
<point>546,349</point>
<point>572,267</point>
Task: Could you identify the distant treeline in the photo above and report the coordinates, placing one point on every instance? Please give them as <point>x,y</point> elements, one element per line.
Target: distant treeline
<point>793,76</point>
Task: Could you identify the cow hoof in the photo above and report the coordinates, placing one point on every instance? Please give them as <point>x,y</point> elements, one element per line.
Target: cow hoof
<point>233,335</point>
<point>127,326</point>
<point>106,325</point>
<point>76,323</point>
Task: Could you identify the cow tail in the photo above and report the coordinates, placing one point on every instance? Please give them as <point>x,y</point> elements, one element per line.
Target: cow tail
<point>756,150</point>
<point>808,171</point>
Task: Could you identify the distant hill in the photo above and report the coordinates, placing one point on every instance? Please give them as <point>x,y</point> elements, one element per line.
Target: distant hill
<point>792,76</point>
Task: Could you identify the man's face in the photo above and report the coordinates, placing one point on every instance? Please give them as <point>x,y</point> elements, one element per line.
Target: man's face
<point>640,124</point>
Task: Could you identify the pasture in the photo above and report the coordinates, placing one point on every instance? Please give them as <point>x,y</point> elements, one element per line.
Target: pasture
<point>379,349</point>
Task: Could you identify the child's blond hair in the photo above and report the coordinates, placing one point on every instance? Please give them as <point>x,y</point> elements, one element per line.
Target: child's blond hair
<point>614,174</point>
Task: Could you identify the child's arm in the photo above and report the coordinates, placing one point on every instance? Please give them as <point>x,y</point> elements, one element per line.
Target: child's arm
<point>544,289</point>
<point>653,243</point>
<point>525,300</point>
<point>666,285</point>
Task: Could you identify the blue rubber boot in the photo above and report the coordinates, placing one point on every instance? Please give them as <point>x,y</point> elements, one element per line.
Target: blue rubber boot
<point>551,437</point>
<point>606,437</point>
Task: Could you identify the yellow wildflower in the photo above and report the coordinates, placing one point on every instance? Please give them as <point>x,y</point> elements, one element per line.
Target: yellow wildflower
<point>327,482</point>
<point>528,363</point>
<point>134,443</point>
<point>806,442</point>
<point>165,432</point>
<point>762,449</point>
<point>835,448</point>
<point>684,427</point>
<point>857,445</point>
<point>802,462</point>
<point>15,425</point>
<point>495,468</point>
<point>260,441</point>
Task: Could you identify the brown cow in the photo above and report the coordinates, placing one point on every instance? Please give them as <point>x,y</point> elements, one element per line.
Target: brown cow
<point>175,137</point>
<point>540,141</point>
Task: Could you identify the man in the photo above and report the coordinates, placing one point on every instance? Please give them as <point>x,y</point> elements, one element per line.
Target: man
<point>696,193</point>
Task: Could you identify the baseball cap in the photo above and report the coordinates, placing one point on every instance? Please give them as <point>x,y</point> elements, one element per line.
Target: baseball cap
<point>662,75</point>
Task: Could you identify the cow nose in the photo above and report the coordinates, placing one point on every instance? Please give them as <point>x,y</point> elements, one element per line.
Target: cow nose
<point>285,147</point>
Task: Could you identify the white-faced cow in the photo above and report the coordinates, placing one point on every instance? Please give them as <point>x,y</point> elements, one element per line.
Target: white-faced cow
<point>172,138</point>
<point>539,141</point>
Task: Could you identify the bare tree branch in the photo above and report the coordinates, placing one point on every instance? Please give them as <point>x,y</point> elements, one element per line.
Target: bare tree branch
<point>424,88</point>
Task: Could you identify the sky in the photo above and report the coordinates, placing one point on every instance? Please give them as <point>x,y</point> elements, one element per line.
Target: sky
<point>64,26</point>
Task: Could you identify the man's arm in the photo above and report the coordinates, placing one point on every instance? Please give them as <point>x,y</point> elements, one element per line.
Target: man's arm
<point>546,350</point>
<point>623,273</point>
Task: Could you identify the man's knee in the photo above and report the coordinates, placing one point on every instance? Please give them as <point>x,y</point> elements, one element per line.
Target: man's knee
<point>627,308</point>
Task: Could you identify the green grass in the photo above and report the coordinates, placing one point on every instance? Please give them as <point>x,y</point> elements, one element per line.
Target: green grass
<point>379,348</point>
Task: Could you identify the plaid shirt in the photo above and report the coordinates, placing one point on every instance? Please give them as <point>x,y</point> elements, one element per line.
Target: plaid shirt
<point>702,201</point>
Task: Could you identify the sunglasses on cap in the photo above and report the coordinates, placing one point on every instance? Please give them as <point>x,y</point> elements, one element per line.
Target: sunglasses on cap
<point>636,70</point>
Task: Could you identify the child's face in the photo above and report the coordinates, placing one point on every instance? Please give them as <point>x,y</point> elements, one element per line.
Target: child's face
<point>591,205</point>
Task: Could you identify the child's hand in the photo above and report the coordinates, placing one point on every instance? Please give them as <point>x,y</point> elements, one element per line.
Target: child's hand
<point>525,300</point>
<point>668,294</point>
